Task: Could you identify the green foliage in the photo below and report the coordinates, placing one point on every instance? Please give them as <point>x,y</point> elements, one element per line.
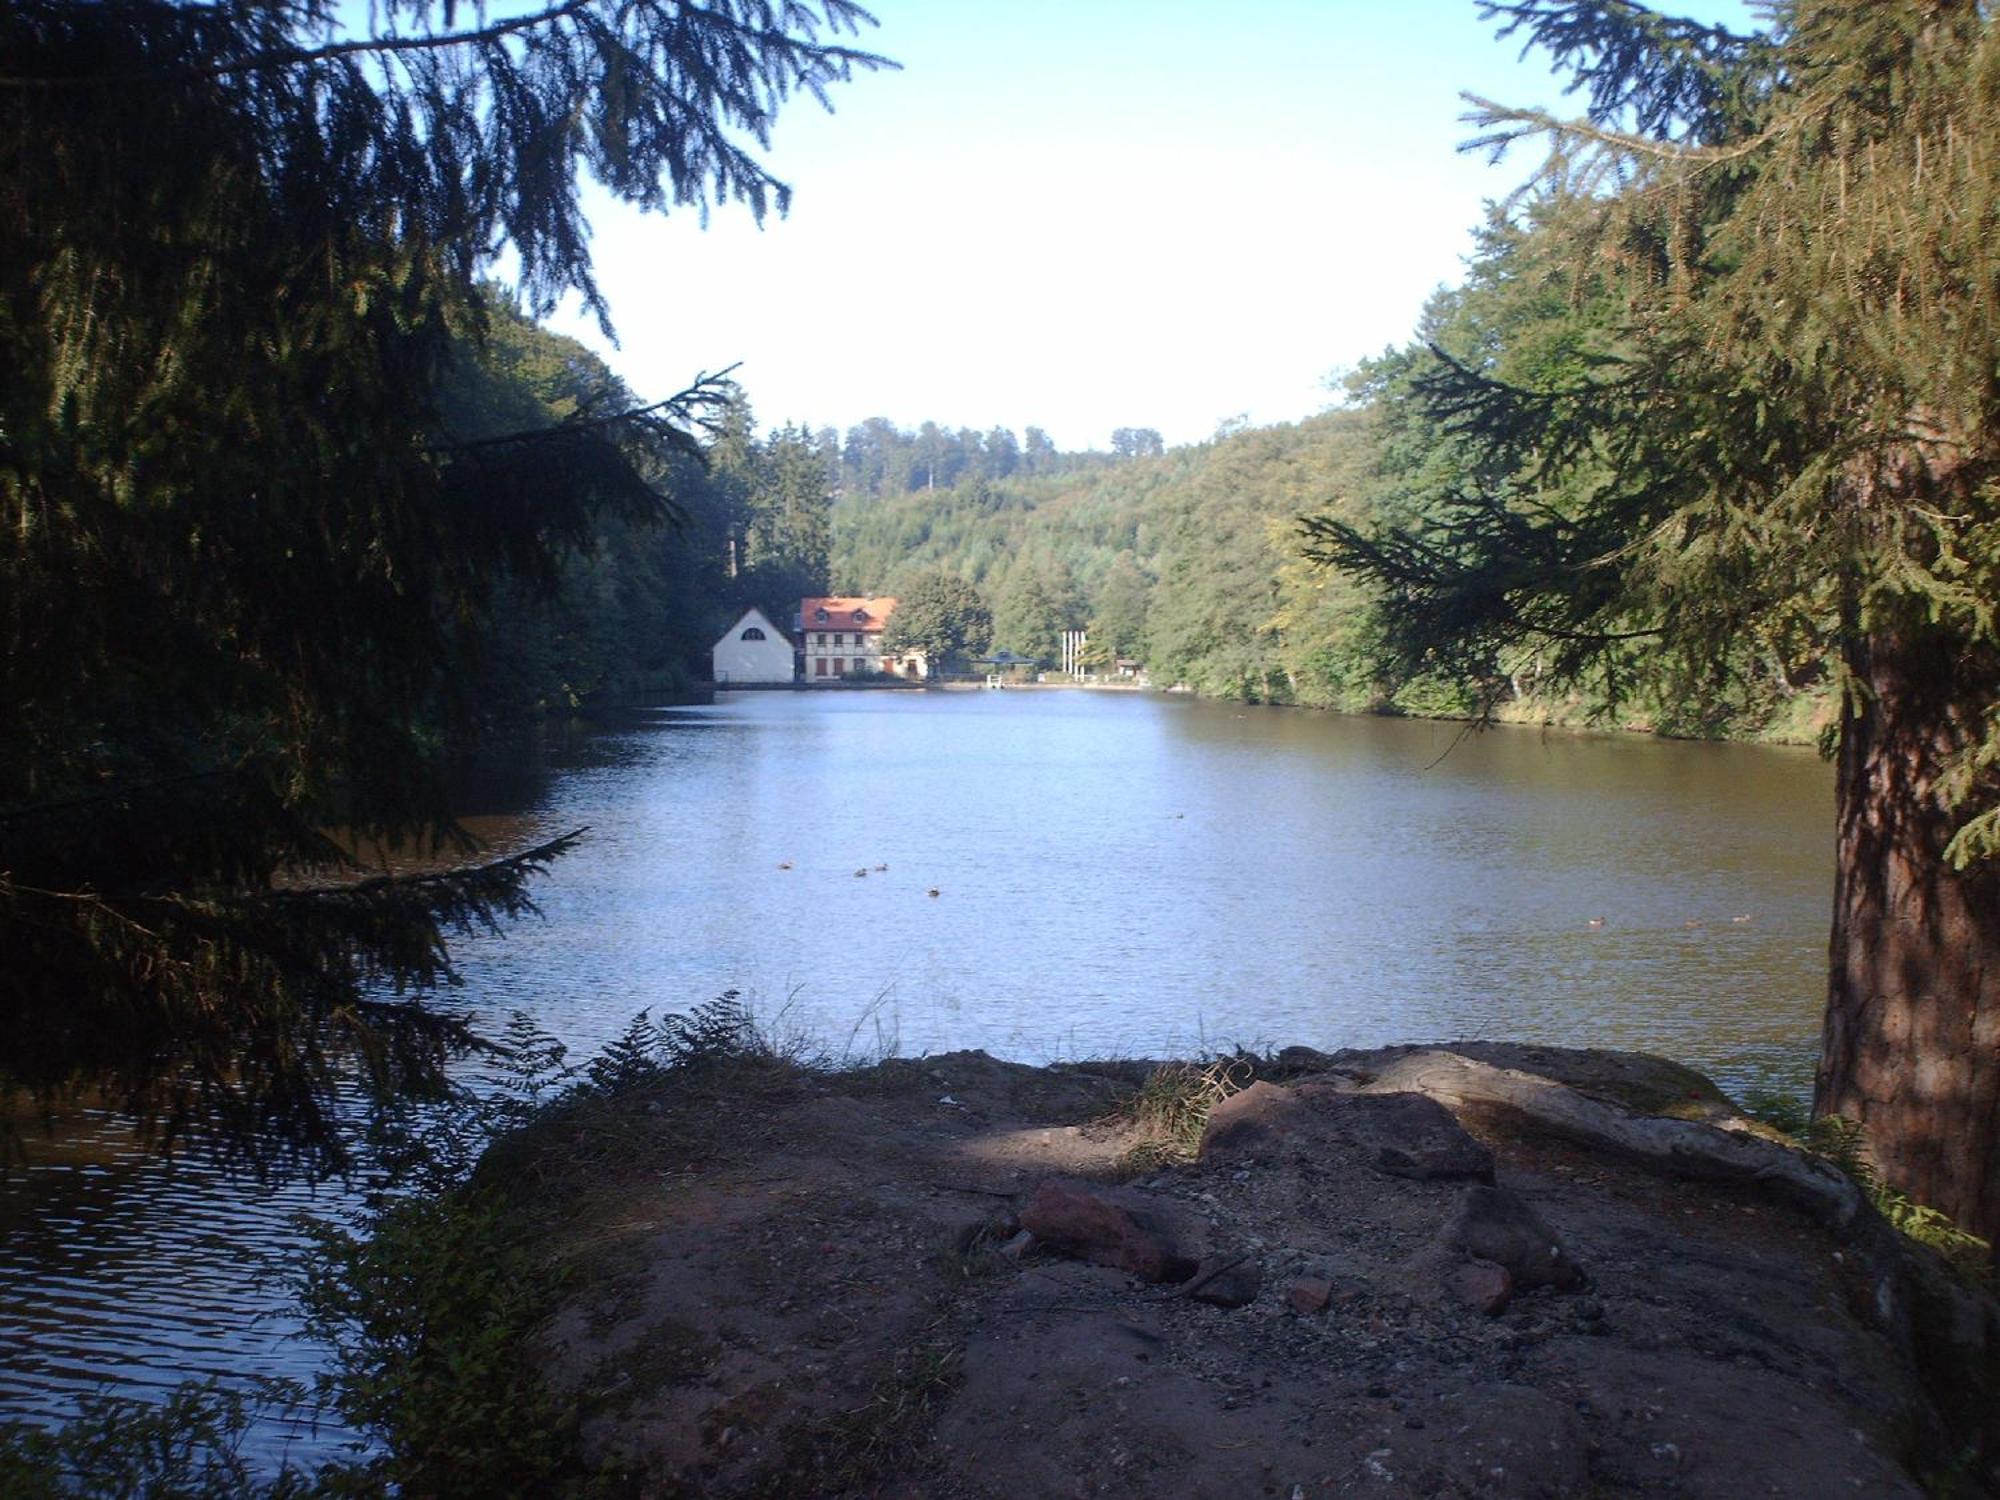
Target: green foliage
<point>430,1311</point>
<point>118,1448</point>
<point>265,483</point>
<point>787,488</point>
<point>646,1052</point>
<point>1118,612</point>
<point>1728,419</point>
<point>941,615</point>
<point>1844,1143</point>
<point>879,459</point>
<point>1723,409</point>
<point>430,1301</point>
<point>1192,561</point>
<point>1137,442</point>
<point>1036,607</point>
<point>1185,559</point>
<point>1783,1112</point>
<point>634,610</point>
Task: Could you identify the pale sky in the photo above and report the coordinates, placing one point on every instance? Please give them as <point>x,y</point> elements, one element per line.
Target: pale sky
<point>1087,214</point>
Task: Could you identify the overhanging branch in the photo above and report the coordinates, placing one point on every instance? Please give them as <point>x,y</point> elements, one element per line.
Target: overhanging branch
<point>293,57</point>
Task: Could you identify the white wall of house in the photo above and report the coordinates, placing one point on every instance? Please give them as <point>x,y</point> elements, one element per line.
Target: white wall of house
<point>754,650</point>
<point>842,635</point>
<point>837,653</point>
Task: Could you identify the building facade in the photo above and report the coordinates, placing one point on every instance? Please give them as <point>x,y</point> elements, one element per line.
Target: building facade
<point>753,651</point>
<point>842,637</point>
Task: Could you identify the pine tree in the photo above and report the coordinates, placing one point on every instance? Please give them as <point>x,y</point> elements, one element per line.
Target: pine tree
<point>791,509</point>
<point>245,547</point>
<point>1787,431</point>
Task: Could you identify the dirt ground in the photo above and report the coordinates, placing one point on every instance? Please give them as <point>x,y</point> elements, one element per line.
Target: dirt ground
<point>789,1283</point>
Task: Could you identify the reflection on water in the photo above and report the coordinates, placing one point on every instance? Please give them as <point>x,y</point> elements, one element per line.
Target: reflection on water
<point>1133,875</point>
<point>1114,874</point>
<point>121,1272</point>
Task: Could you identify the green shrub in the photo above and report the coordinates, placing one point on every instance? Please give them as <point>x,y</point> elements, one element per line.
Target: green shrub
<point>430,1315</point>
<point>1844,1143</point>
<point>188,1443</point>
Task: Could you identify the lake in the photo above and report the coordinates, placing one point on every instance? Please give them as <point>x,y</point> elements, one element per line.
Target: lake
<point>1045,875</point>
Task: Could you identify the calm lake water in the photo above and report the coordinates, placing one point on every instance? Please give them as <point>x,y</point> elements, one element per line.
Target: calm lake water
<point>1067,875</point>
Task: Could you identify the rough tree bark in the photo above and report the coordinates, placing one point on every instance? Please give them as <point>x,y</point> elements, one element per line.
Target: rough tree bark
<point>1911,1045</point>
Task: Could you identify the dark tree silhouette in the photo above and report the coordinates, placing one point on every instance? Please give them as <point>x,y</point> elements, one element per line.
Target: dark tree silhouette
<point>242,553</point>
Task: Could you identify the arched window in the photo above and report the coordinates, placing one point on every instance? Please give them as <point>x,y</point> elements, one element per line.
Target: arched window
<point>819,615</point>
<point>861,617</point>
<point>751,634</point>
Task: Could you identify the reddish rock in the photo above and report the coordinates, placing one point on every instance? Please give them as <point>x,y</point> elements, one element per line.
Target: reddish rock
<point>1105,1230</point>
<point>1416,1137</point>
<point>1494,1224</point>
<point>1404,1135</point>
<point>1480,1284</point>
<point>1252,1121</point>
<point>1310,1294</point>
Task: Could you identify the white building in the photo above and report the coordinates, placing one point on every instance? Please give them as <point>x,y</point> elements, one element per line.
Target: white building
<point>842,636</point>
<point>754,650</point>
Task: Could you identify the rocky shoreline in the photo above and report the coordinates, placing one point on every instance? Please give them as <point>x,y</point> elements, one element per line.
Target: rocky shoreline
<point>1469,1269</point>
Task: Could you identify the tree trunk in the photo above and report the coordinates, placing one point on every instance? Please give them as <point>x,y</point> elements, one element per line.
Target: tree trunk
<point>1911,1047</point>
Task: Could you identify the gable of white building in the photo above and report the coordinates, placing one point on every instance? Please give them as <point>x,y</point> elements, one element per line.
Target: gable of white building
<point>753,650</point>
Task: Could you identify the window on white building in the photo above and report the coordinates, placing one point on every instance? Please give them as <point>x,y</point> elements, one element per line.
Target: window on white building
<point>751,634</point>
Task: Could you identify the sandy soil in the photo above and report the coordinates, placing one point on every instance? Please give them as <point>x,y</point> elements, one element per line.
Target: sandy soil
<point>799,1284</point>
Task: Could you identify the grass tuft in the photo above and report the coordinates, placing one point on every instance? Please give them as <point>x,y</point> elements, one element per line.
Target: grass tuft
<point>1170,1110</point>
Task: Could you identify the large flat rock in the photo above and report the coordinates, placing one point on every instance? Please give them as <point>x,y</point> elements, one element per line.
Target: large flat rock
<point>800,1288</point>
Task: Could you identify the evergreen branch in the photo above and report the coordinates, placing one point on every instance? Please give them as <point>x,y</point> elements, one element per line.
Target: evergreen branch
<point>292,57</point>
<point>707,390</point>
<point>531,861</point>
<point>840,58</point>
<point>505,871</point>
<point>1584,637</point>
<point>102,905</point>
<point>1517,123</point>
<point>1636,63</point>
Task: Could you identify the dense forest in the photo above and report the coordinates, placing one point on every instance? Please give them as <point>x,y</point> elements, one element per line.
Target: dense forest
<point>1194,560</point>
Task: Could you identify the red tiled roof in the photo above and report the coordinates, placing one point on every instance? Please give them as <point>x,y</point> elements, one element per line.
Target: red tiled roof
<point>841,610</point>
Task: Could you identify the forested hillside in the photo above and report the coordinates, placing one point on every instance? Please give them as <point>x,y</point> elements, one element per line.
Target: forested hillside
<point>1187,560</point>
<point>638,603</point>
<point>1194,561</point>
